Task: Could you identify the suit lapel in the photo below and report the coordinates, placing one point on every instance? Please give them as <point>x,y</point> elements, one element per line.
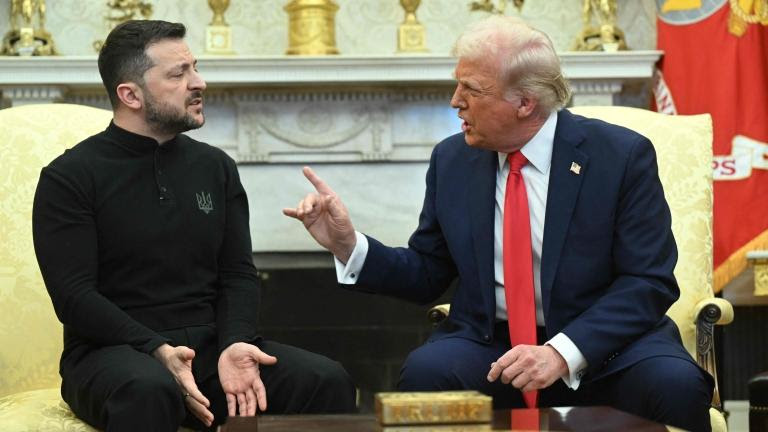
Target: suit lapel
<point>563,191</point>
<point>481,199</point>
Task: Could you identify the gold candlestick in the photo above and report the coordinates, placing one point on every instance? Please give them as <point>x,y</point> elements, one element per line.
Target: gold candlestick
<point>218,34</point>
<point>311,26</point>
<point>411,36</point>
<point>27,35</point>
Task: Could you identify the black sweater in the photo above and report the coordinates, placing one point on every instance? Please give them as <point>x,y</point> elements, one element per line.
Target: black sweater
<point>134,238</point>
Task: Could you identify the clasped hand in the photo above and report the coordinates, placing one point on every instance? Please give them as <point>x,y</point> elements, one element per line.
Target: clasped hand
<point>529,367</point>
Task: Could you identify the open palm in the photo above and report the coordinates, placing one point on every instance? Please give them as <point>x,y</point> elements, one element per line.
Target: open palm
<point>241,380</point>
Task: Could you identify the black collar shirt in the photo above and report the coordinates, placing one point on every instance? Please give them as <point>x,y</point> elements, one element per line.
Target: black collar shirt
<point>135,237</point>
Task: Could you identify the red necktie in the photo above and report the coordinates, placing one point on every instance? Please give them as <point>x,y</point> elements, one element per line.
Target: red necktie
<point>518,262</point>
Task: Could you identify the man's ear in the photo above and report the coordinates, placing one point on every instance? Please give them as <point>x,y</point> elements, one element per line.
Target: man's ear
<point>130,95</point>
<point>526,107</point>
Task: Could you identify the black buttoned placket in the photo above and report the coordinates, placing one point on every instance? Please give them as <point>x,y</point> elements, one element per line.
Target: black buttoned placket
<point>164,193</point>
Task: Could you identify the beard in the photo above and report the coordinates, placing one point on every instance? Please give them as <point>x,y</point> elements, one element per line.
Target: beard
<point>165,118</point>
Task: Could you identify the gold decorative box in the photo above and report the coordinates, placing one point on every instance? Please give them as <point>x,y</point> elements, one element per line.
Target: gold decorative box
<point>452,407</point>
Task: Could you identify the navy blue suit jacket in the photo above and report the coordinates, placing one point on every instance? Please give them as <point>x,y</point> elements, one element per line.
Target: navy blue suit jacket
<point>608,251</point>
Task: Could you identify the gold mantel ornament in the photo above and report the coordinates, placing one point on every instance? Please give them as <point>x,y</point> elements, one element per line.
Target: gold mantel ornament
<point>120,11</point>
<point>311,27</point>
<point>410,35</point>
<point>605,36</point>
<point>27,35</point>
<point>490,7</point>
<point>218,34</point>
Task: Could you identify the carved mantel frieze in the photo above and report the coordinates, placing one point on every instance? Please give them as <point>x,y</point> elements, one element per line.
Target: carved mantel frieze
<point>338,125</point>
<point>32,94</point>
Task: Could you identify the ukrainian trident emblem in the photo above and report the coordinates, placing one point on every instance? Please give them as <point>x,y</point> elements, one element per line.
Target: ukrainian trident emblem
<point>204,202</point>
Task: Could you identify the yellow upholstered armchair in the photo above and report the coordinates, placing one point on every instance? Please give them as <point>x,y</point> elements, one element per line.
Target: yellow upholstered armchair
<point>30,334</point>
<point>684,148</point>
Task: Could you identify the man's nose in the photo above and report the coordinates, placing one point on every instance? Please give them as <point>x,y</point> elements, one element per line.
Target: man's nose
<point>197,82</point>
<point>457,101</point>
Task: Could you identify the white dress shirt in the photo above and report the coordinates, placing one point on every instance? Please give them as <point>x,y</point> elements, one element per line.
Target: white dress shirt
<point>538,151</point>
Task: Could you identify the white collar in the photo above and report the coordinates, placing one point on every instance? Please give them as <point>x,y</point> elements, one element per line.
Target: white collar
<point>538,150</point>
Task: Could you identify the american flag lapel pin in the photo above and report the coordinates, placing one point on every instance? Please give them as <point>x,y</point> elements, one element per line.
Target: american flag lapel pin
<point>575,168</point>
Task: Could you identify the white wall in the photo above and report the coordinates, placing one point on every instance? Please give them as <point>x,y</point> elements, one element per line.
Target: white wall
<point>362,26</point>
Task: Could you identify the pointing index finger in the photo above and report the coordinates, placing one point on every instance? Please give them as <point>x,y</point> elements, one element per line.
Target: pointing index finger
<point>317,182</point>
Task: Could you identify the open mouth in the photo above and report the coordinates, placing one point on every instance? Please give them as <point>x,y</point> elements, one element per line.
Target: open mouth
<point>464,124</point>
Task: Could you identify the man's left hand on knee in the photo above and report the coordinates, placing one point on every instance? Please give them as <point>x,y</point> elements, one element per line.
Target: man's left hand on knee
<point>240,378</point>
<point>529,367</point>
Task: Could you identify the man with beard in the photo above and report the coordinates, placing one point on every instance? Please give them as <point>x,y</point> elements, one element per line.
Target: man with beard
<point>142,238</point>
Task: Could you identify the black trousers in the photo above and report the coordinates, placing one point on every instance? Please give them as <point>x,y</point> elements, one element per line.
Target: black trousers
<point>118,388</point>
<point>669,390</point>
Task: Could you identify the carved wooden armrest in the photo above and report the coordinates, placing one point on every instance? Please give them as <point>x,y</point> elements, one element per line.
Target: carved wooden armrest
<point>438,313</point>
<point>710,312</point>
<point>719,311</point>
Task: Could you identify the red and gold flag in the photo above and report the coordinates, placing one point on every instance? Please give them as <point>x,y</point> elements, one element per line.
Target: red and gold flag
<point>716,61</point>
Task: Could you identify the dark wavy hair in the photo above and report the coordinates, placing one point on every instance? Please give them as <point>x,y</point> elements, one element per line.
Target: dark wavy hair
<point>123,56</point>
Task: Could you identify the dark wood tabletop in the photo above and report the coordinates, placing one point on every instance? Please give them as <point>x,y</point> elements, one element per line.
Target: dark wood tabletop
<point>588,419</point>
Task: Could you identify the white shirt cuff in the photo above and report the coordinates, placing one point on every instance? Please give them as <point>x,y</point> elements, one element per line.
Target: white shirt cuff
<point>348,274</point>
<point>576,362</point>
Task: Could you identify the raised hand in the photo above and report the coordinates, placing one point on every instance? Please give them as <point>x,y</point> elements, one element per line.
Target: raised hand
<point>178,360</point>
<point>241,380</point>
<point>325,217</point>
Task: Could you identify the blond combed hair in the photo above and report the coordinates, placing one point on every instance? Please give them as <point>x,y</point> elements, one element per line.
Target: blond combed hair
<point>527,61</point>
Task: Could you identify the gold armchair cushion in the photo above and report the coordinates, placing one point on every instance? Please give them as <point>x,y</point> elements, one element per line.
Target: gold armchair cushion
<point>39,410</point>
<point>31,336</point>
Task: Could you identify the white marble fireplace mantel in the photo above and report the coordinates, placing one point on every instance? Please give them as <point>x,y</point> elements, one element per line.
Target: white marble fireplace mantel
<point>73,72</point>
<point>367,125</point>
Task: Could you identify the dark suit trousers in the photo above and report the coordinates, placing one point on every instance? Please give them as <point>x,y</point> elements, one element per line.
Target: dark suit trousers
<point>118,388</point>
<point>669,390</point>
